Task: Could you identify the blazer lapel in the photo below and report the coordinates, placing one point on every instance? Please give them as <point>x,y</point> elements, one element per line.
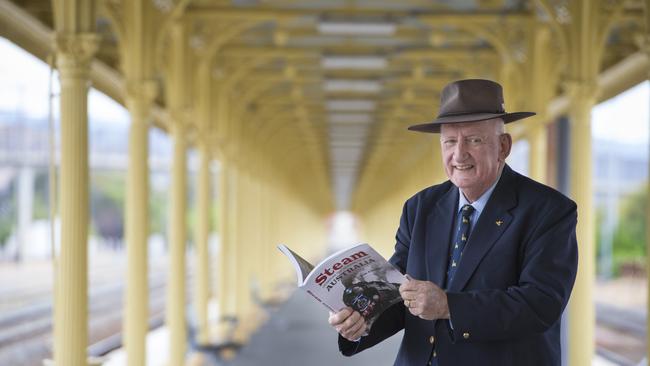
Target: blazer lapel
<point>492,223</point>
<point>438,232</point>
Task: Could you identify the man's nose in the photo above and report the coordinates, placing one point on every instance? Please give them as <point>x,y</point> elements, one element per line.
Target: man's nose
<point>460,151</point>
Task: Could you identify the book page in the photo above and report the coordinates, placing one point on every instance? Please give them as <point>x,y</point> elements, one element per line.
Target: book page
<point>303,268</point>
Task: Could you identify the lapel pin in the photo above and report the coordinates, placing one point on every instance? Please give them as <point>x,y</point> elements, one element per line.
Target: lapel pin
<point>499,222</point>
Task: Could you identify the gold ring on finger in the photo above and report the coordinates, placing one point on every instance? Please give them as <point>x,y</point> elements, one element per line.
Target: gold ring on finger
<point>407,303</point>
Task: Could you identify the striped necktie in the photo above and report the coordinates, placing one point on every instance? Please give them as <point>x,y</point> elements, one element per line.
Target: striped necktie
<point>460,239</point>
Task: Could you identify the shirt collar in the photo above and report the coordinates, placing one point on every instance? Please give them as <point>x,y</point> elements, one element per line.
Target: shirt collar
<point>480,203</point>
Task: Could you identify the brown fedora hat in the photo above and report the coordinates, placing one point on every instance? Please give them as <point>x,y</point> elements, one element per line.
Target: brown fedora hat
<point>470,100</point>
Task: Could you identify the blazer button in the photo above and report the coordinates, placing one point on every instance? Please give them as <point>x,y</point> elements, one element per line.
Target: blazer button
<point>432,339</point>
<point>466,335</point>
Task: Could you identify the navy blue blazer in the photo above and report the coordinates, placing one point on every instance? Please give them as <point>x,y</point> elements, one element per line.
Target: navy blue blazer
<point>511,286</point>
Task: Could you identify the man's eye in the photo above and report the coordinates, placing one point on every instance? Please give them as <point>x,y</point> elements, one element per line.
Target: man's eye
<point>475,140</point>
<point>449,142</point>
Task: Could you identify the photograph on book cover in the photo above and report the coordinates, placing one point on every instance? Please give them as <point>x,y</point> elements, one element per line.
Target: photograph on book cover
<point>370,291</point>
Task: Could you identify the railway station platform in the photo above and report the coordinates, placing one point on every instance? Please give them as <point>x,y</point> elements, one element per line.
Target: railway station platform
<point>296,333</point>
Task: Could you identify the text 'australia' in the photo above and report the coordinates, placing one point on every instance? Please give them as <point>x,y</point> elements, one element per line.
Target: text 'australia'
<point>327,272</point>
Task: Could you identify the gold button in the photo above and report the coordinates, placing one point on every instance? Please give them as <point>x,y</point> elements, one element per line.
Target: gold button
<point>432,339</point>
<point>435,354</point>
<point>466,335</point>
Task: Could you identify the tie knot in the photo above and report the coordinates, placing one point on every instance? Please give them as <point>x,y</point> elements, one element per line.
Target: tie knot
<point>467,210</point>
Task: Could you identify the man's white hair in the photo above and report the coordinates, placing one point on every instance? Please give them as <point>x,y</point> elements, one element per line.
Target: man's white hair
<point>499,125</point>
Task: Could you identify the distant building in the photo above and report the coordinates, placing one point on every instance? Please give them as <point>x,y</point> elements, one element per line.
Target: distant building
<point>619,169</point>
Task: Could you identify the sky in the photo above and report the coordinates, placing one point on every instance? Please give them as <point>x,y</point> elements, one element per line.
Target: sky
<point>24,86</point>
<point>624,118</point>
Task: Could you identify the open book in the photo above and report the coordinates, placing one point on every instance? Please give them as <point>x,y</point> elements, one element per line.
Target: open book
<point>357,277</point>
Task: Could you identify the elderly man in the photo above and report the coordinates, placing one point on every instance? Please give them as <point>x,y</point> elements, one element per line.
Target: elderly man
<point>491,255</point>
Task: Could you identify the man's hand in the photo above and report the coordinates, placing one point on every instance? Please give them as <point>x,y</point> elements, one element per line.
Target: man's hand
<point>424,299</point>
<point>349,323</point>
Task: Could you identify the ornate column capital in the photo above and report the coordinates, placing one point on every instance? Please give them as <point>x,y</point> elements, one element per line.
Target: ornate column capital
<point>140,95</point>
<point>75,51</point>
<point>201,140</point>
<point>180,119</point>
<point>143,90</point>
<point>581,89</point>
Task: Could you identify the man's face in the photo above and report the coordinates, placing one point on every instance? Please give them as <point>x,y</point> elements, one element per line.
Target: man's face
<point>473,154</point>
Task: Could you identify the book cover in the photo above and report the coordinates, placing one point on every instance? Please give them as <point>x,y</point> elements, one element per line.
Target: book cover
<point>357,277</point>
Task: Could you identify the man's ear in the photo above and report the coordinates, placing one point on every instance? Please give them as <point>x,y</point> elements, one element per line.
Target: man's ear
<point>505,145</point>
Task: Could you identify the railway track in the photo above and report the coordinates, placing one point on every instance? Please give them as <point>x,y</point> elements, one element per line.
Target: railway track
<point>26,306</point>
<point>26,333</point>
<point>620,335</point>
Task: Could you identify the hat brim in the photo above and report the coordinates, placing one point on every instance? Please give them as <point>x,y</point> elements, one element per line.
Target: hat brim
<point>434,126</point>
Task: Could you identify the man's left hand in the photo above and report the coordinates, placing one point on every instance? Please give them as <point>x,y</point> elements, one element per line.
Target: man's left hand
<point>424,299</point>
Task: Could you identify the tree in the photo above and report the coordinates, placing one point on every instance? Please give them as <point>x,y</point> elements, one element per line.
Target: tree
<point>8,212</point>
<point>630,233</point>
<point>107,204</point>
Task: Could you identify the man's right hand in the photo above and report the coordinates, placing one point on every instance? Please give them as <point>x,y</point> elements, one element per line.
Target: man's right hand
<point>349,323</point>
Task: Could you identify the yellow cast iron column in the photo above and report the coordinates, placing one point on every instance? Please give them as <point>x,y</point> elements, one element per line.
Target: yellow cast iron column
<point>225,268</point>
<point>175,310</point>
<point>136,317</point>
<point>236,275</point>
<point>202,253</point>
<point>227,211</point>
<point>241,250</point>
<point>234,301</point>
<point>543,82</point>
<point>243,254</point>
<point>71,325</point>
<point>581,307</point>
<point>537,137</point>
<point>76,45</point>
<point>74,54</point>
<point>202,289</point>
<point>536,131</point>
<point>135,25</point>
<point>242,246</point>
<point>267,241</point>
<point>586,34</point>
<point>177,74</point>
<point>506,80</point>
<point>253,250</point>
